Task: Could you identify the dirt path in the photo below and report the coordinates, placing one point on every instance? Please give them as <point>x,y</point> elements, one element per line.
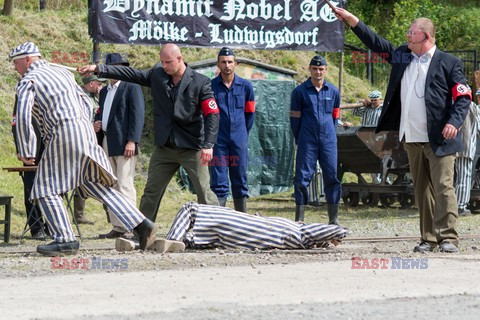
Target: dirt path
<point>263,286</point>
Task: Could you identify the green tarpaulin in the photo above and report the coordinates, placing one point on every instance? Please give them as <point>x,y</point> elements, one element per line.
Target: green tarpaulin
<point>270,145</point>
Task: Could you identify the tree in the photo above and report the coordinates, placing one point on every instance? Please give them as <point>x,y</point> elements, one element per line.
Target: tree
<point>8,8</point>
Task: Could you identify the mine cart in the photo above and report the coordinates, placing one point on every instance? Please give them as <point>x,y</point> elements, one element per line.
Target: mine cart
<point>380,164</point>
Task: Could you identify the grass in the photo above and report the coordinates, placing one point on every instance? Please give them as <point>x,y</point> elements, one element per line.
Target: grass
<point>62,27</point>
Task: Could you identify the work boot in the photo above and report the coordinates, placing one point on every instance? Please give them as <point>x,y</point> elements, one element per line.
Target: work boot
<point>240,204</point>
<point>332,214</point>
<point>299,212</point>
<point>222,202</point>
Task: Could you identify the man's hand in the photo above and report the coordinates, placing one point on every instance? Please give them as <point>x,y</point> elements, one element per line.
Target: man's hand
<point>347,124</point>
<point>343,14</point>
<point>449,131</point>
<point>28,161</point>
<point>129,149</point>
<point>97,126</point>
<point>87,70</point>
<point>206,155</point>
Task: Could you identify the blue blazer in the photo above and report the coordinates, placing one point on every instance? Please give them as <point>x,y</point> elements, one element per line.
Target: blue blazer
<point>126,119</point>
<point>444,73</point>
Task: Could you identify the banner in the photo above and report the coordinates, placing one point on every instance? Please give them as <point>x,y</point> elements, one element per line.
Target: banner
<point>246,24</point>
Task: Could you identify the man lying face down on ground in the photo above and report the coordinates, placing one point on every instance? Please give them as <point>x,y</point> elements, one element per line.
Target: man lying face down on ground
<point>201,226</point>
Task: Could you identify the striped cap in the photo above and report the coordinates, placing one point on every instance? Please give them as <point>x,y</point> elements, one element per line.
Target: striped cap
<point>375,94</point>
<point>23,50</point>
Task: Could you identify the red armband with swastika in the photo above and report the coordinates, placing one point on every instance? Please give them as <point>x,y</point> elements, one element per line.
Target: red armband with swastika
<point>250,106</point>
<point>336,113</point>
<point>460,90</point>
<point>209,106</point>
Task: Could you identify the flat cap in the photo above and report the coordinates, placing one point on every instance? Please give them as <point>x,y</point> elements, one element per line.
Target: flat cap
<point>375,94</point>
<point>91,78</point>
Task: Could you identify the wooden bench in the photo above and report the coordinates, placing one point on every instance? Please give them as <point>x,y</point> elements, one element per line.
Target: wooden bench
<point>7,202</point>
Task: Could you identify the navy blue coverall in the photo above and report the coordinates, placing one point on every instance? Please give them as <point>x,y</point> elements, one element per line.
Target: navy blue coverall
<point>315,136</point>
<point>230,153</point>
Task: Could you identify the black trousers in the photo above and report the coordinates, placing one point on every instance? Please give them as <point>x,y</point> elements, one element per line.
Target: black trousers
<point>33,216</point>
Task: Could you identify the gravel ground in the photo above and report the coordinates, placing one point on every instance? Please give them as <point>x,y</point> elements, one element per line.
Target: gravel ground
<point>20,265</point>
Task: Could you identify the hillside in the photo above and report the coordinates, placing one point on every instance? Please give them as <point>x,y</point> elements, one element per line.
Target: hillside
<point>62,28</point>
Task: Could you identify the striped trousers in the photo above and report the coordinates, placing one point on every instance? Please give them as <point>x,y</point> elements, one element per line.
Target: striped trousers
<point>463,180</point>
<point>56,214</point>
<point>205,226</point>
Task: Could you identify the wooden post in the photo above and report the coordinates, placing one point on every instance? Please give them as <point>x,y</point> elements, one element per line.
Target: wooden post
<point>8,8</point>
<point>96,52</point>
<point>340,73</point>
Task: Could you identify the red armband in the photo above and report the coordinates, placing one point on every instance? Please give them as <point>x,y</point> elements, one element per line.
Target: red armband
<point>460,90</point>
<point>336,113</point>
<point>250,106</point>
<point>209,106</point>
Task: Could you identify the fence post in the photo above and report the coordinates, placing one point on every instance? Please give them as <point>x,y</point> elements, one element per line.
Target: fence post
<point>43,4</point>
<point>340,73</point>
<point>96,52</point>
<point>368,64</point>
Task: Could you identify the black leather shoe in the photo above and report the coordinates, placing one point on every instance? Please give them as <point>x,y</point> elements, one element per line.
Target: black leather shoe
<point>111,235</point>
<point>423,247</point>
<point>146,231</point>
<point>447,247</point>
<point>54,249</point>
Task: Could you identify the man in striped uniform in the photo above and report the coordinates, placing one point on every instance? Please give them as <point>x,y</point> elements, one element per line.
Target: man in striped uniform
<point>464,160</point>
<point>205,226</point>
<point>72,158</point>
<point>371,113</point>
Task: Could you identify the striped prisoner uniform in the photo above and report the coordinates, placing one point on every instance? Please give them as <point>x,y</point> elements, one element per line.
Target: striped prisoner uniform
<point>369,115</point>
<point>464,160</point>
<point>205,226</point>
<point>72,158</point>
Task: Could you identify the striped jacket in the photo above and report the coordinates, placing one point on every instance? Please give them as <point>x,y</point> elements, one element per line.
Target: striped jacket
<point>51,96</point>
<point>203,226</point>
<point>469,132</point>
<point>369,115</point>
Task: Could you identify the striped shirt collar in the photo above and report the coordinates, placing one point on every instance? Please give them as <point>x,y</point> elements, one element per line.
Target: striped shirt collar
<point>35,65</point>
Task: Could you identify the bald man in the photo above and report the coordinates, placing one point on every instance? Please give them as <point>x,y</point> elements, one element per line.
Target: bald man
<point>427,101</point>
<point>186,119</point>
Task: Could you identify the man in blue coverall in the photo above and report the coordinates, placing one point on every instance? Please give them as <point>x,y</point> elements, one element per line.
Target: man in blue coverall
<point>236,102</point>
<point>314,113</point>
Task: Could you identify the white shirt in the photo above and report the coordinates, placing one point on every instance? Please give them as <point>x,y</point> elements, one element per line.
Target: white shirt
<point>413,121</point>
<point>107,106</point>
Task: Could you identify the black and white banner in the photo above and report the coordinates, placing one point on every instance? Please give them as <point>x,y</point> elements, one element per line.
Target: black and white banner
<point>248,24</point>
